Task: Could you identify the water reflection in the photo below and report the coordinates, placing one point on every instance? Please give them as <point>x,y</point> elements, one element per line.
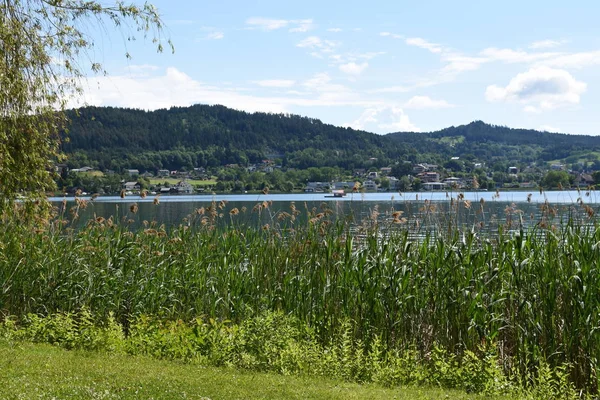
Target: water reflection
<point>416,212</point>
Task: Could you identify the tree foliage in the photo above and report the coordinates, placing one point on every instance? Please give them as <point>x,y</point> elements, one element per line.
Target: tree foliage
<point>44,51</point>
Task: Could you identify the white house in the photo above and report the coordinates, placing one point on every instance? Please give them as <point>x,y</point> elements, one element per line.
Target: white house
<point>370,186</point>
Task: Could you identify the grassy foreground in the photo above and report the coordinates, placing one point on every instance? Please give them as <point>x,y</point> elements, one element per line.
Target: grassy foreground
<point>311,294</point>
<point>47,372</point>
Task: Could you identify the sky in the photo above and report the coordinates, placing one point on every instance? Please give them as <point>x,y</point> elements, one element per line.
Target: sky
<point>380,66</point>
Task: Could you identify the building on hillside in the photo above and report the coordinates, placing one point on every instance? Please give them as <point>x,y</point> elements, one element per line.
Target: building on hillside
<point>343,185</point>
<point>319,187</point>
<point>131,186</point>
<point>369,185</point>
<point>434,186</point>
<point>82,169</point>
<point>163,173</point>
<point>133,172</point>
<point>454,183</point>
<point>184,187</point>
<point>429,177</point>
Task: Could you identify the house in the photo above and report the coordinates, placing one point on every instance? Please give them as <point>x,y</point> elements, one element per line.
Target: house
<point>420,168</point>
<point>429,177</point>
<point>372,175</point>
<point>82,169</point>
<point>455,183</point>
<point>133,172</point>
<point>557,167</point>
<point>584,180</point>
<point>369,185</point>
<point>385,170</point>
<point>184,187</point>
<point>513,170</point>
<point>163,172</point>
<point>343,185</point>
<point>131,186</point>
<point>317,187</point>
<point>434,186</point>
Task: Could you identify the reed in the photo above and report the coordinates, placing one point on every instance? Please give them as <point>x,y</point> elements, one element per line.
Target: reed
<point>531,293</point>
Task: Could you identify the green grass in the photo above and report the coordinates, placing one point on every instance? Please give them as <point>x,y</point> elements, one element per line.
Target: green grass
<point>174,181</point>
<point>528,297</point>
<point>45,372</point>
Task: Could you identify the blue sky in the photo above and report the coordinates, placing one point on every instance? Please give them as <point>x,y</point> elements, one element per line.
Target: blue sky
<point>381,66</point>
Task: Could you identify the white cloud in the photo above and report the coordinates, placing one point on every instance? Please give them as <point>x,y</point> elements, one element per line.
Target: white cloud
<point>515,56</point>
<point>318,45</point>
<point>303,25</point>
<point>171,87</point>
<point>574,60</point>
<point>269,24</point>
<point>549,128</point>
<point>424,44</point>
<point>532,110</point>
<point>353,68</point>
<point>276,83</point>
<point>384,119</point>
<point>546,44</point>
<point>215,35</point>
<point>425,102</point>
<point>458,63</point>
<point>335,30</point>
<point>540,89</point>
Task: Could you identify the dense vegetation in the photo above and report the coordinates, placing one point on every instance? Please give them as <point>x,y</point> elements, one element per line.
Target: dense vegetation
<point>210,136</point>
<point>519,302</point>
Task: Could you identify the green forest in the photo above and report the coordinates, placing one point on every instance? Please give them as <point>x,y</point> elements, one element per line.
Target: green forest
<point>211,136</point>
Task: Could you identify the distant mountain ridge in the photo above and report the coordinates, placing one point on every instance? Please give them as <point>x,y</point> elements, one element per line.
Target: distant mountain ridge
<point>209,136</point>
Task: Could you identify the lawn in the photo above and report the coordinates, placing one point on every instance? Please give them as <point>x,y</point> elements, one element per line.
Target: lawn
<point>47,372</point>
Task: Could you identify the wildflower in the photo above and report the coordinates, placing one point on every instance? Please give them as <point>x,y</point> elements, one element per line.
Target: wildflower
<point>234,211</point>
<point>133,208</point>
<point>123,193</point>
<point>156,200</point>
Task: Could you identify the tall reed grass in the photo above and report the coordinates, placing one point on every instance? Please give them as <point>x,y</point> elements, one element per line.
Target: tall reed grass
<point>533,294</point>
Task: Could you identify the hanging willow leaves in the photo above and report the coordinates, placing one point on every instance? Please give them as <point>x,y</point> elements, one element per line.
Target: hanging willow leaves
<point>44,52</point>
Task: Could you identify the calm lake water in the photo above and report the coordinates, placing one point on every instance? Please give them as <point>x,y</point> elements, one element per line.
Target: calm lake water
<point>420,211</point>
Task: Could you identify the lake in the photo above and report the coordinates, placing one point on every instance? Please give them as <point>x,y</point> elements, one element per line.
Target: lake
<point>422,211</point>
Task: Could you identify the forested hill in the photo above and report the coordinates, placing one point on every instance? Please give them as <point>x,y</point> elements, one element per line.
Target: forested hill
<point>204,135</point>
<point>487,141</point>
<point>209,136</point>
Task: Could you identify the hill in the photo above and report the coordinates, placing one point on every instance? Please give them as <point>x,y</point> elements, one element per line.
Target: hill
<point>211,136</point>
